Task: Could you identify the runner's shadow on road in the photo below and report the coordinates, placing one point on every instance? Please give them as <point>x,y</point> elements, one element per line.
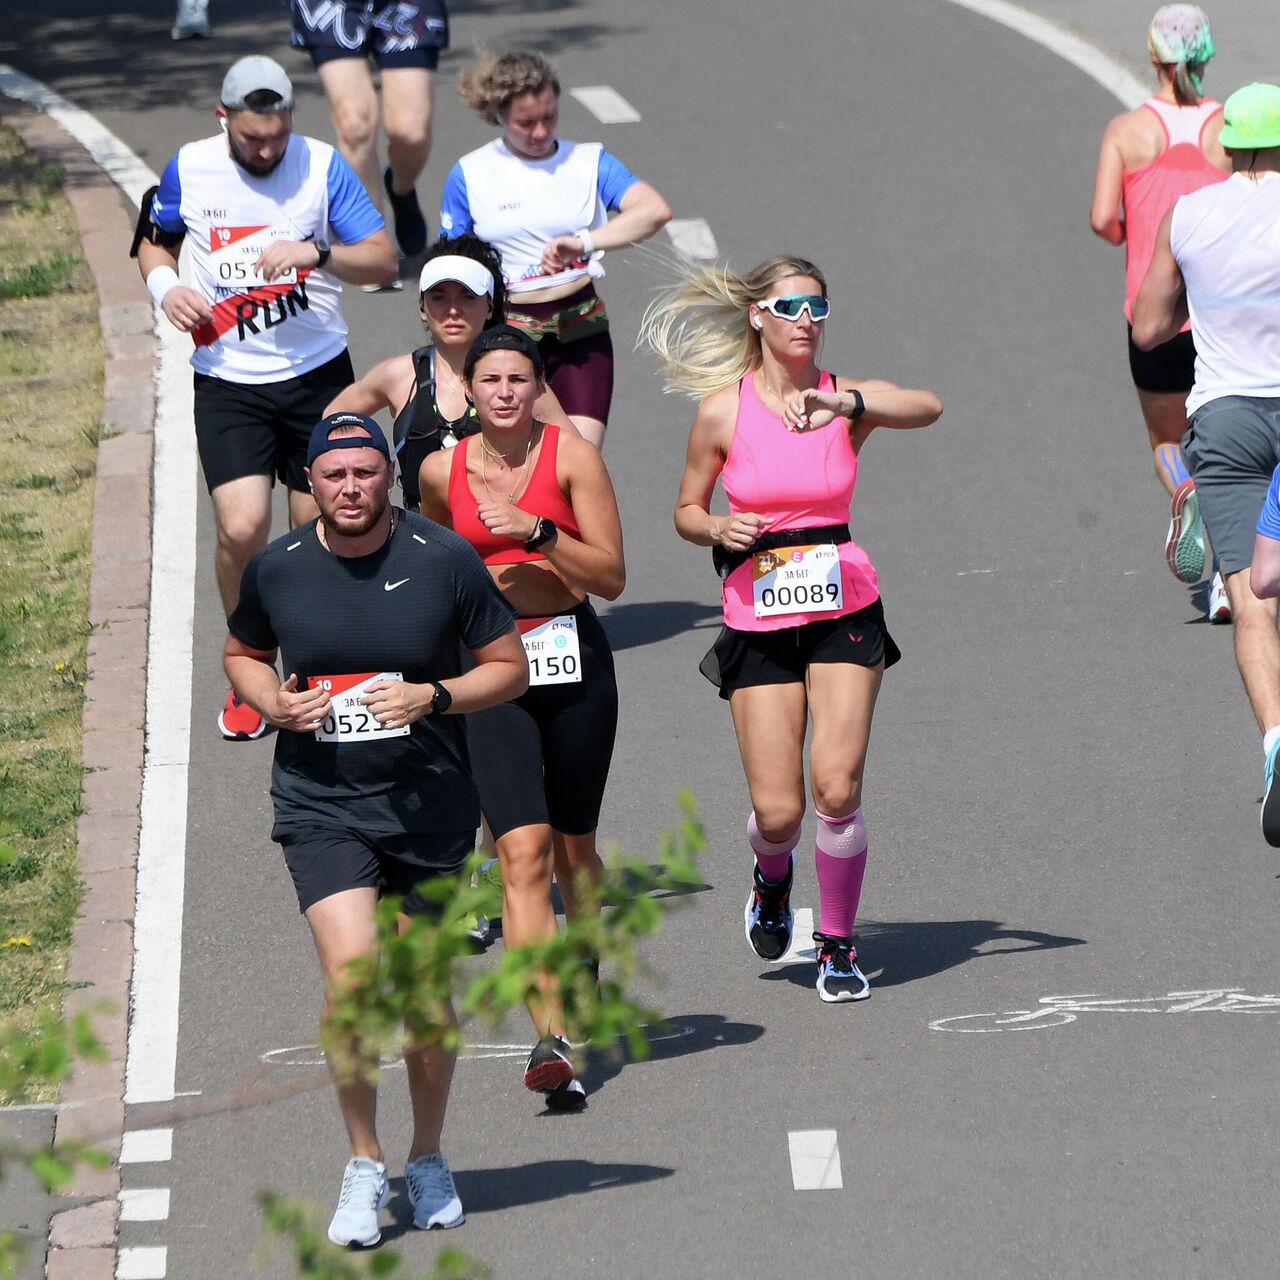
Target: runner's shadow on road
<point>492,1190</point>
<point>632,626</point>
<point>894,953</point>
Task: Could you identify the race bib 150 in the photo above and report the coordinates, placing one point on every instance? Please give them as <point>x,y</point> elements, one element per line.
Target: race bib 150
<point>349,720</point>
<point>552,649</point>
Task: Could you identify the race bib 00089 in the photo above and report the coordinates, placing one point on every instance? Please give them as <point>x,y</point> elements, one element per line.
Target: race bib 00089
<point>349,720</point>
<point>797,580</point>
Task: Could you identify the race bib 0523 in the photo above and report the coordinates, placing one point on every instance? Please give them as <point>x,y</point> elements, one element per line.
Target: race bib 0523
<point>349,720</point>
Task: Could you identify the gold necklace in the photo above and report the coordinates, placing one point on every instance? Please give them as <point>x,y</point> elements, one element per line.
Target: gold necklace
<point>486,452</point>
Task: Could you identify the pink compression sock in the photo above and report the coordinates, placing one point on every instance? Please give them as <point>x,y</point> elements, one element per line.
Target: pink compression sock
<point>772,856</point>
<point>841,858</point>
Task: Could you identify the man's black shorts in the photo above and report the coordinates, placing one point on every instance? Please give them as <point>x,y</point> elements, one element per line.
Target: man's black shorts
<point>262,428</point>
<point>1169,369</point>
<point>395,33</point>
<point>326,860</point>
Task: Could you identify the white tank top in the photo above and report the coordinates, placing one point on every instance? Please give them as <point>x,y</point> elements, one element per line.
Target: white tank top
<point>1226,241</point>
<point>261,333</point>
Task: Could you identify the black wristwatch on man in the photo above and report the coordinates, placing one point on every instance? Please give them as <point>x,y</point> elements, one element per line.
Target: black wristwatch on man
<point>441,699</point>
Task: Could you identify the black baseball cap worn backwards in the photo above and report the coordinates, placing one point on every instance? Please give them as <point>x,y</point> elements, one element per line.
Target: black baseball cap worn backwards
<point>321,442</point>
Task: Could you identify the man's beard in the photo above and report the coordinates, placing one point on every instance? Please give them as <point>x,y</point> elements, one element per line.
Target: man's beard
<point>359,526</point>
<point>258,171</point>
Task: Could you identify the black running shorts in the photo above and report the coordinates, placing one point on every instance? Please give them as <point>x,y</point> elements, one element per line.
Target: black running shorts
<point>262,428</point>
<point>1169,369</point>
<point>324,861</point>
<point>741,659</point>
<point>395,33</point>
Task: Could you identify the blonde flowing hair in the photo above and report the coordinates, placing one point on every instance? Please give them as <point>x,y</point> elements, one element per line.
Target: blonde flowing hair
<point>491,80</point>
<point>700,329</point>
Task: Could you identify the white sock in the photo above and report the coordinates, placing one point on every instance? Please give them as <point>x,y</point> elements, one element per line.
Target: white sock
<point>1270,738</point>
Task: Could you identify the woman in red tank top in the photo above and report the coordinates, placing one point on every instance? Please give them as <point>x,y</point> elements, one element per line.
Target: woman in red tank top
<point>538,505</point>
<point>1164,149</point>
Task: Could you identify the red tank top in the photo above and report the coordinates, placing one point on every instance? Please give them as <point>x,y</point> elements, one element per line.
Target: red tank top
<point>541,497</point>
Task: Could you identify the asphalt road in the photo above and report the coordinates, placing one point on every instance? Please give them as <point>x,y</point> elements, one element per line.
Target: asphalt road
<point>1062,794</point>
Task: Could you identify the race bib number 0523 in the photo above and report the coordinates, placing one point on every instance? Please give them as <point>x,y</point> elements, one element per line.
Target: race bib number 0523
<point>797,580</point>
<point>349,720</point>
<point>552,648</point>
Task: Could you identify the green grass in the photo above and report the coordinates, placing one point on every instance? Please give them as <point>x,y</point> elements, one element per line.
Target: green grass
<point>50,411</point>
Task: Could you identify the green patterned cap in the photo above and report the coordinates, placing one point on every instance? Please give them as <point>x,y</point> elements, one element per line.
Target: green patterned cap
<point>1251,118</point>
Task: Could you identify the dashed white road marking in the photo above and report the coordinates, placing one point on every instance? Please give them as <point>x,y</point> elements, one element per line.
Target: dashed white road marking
<point>692,238</point>
<point>802,949</point>
<point>815,1160</point>
<point>143,1264</point>
<point>146,1146</point>
<point>144,1204</point>
<point>606,104</point>
<point>1095,62</point>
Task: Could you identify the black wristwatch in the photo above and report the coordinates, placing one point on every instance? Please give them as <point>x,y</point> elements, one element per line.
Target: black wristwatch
<point>441,700</point>
<point>324,249</point>
<point>543,532</point>
<point>859,404</point>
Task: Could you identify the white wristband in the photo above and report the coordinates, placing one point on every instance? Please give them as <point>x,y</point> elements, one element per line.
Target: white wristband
<point>588,245</point>
<point>159,281</point>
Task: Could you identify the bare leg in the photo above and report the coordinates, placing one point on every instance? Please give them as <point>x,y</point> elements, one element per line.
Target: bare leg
<point>591,429</point>
<point>429,1067</point>
<point>842,698</point>
<point>1166,418</point>
<point>406,117</point>
<point>526,859</point>
<point>344,927</point>
<point>1257,649</point>
<point>576,856</point>
<point>302,507</point>
<point>770,721</point>
<point>242,513</point>
<point>353,103</point>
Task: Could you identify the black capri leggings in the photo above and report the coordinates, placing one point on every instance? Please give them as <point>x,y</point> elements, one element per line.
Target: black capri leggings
<point>544,758</point>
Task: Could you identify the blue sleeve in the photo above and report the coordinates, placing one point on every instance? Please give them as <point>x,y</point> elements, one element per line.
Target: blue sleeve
<point>352,215</point>
<point>1269,520</point>
<point>455,205</point>
<point>168,200</point>
<point>613,180</point>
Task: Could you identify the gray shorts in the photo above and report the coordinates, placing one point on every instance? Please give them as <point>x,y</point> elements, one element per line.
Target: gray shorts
<point>1232,446</point>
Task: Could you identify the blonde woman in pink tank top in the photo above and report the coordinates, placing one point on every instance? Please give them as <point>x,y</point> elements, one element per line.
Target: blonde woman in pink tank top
<point>804,640</point>
<point>1164,149</point>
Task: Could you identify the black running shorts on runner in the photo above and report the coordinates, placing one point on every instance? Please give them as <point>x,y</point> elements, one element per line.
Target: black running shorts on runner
<point>262,428</point>
<point>1169,369</point>
<point>1231,448</point>
<point>395,33</point>
<point>741,659</point>
<point>324,861</point>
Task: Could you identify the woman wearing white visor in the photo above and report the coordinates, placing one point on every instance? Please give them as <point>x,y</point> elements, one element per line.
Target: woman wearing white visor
<point>460,293</point>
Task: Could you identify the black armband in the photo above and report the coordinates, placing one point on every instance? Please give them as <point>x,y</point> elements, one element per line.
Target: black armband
<point>147,229</point>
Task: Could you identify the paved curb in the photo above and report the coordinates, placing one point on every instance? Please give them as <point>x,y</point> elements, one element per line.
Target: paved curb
<point>82,1240</point>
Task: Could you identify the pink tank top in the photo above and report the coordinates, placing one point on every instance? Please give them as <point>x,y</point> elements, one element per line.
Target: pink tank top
<point>1150,192</point>
<point>796,480</point>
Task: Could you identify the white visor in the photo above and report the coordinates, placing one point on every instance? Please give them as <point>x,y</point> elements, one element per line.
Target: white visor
<point>465,271</point>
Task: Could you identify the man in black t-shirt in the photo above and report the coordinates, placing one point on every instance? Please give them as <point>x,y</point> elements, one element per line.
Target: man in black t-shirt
<point>370,787</point>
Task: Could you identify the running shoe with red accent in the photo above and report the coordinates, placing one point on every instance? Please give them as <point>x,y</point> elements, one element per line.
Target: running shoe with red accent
<point>767,919</point>
<point>550,1067</point>
<point>239,722</point>
<point>1184,544</point>
<point>839,977</point>
<point>1218,608</point>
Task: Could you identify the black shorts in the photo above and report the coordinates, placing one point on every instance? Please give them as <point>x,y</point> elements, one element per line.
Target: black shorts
<point>544,758</point>
<point>324,861</point>
<point>262,428</point>
<point>1169,369</point>
<point>741,659</point>
<point>395,33</point>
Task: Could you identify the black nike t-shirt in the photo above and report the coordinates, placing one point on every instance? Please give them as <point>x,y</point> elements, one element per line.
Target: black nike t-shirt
<point>406,609</point>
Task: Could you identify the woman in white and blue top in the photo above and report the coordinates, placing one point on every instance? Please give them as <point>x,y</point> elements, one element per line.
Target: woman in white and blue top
<point>544,204</point>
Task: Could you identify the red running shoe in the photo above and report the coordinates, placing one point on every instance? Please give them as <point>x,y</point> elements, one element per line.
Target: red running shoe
<point>239,722</point>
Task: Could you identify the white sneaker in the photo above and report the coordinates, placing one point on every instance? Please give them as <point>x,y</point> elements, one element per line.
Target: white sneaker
<point>1219,609</point>
<point>191,19</point>
<point>394,287</point>
<point>364,1192</point>
<point>432,1193</point>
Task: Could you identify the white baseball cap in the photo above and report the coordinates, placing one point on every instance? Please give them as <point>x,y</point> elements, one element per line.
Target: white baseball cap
<point>251,74</point>
<point>464,271</point>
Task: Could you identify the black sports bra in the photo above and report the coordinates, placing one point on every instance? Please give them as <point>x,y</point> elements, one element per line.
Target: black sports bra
<point>421,429</point>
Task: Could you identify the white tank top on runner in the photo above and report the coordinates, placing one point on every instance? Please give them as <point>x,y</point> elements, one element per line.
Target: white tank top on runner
<point>1226,241</point>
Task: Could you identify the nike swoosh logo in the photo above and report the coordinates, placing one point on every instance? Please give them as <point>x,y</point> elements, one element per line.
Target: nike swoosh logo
<point>391,586</point>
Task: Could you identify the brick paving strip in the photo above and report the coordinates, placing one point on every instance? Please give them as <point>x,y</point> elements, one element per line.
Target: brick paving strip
<point>82,1240</point>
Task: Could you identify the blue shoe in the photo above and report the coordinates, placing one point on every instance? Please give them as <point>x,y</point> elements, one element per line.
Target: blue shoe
<point>432,1193</point>
<point>1184,544</point>
<point>767,919</point>
<point>1271,800</point>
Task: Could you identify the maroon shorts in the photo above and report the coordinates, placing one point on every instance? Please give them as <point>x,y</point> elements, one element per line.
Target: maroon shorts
<point>579,369</point>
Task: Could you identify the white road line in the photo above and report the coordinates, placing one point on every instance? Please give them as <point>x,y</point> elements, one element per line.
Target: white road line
<point>153,1026</point>
<point>815,1160</point>
<point>142,1264</point>
<point>1095,62</point>
<point>692,238</point>
<point>146,1146</point>
<point>606,104</point>
<point>802,949</point>
<point>145,1204</point>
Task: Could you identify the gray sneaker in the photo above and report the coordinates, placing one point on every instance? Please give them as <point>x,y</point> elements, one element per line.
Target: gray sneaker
<point>364,1192</point>
<point>432,1193</point>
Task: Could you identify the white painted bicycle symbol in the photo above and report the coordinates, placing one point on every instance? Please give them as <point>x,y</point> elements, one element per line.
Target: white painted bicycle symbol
<point>1057,1011</point>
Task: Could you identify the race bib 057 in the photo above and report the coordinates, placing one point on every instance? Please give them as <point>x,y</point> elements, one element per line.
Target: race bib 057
<point>235,252</point>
